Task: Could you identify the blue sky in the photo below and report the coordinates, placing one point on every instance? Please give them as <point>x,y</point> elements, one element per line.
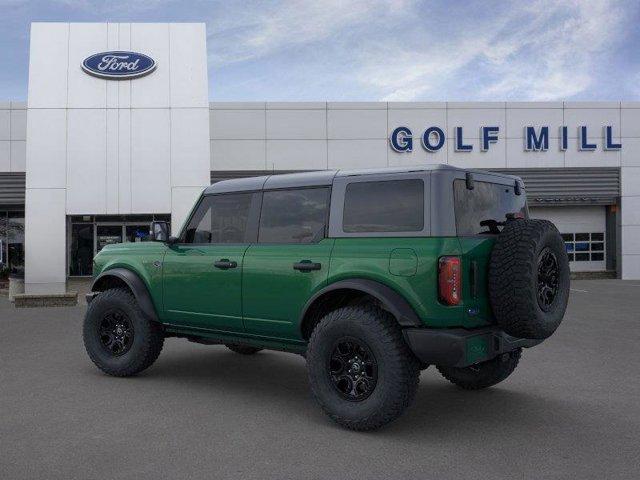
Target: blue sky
<point>361,50</point>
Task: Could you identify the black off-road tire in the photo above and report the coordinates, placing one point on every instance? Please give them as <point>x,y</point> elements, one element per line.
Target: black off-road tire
<point>397,370</point>
<point>242,349</point>
<point>485,374</point>
<point>148,336</point>
<point>517,271</point>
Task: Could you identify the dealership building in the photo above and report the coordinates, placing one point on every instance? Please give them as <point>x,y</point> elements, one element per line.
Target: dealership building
<point>118,130</point>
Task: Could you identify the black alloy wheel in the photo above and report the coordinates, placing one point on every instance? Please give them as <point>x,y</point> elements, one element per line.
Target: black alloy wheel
<point>119,338</point>
<point>548,274</point>
<point>353,369</point>
<point>361,371</point>
<point>116,333</point>
<point>529,278</point>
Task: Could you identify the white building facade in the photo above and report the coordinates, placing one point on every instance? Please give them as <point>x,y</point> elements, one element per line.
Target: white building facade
<point>91,161</point>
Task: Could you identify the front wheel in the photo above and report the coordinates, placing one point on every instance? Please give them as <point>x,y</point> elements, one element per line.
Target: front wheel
<point>485,374</point>
<point>118,338</point>
<point>360,369</point>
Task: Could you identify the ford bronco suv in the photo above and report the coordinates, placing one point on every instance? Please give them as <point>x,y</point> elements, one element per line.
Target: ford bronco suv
<point>371,275</point>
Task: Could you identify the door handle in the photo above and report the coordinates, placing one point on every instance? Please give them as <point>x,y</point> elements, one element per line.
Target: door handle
<point>307,266</point>
<point>225,264</point>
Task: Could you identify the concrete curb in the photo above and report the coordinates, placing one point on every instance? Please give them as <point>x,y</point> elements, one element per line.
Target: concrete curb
<point>24,300</point>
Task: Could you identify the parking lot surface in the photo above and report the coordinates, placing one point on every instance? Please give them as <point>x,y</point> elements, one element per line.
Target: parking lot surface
<point>570,410</point>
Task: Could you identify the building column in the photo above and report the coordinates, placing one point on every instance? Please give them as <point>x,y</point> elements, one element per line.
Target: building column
<point>630,223</point>
<point>45,241</point>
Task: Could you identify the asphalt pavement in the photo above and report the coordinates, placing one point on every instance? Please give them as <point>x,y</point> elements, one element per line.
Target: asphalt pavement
<point>571,410</point>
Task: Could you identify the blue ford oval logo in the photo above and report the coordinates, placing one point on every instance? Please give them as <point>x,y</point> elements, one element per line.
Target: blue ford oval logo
<point>118,65</point>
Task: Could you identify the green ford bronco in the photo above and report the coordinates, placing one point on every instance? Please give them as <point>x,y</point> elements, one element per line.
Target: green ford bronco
<point>371,275</point>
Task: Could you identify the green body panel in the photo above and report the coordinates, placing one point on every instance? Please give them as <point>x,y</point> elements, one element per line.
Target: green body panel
<point>260,302</point>
<point>138,257</point>
<point>403,262</point>
<point>198,294</point>
<point>373,258</point>
<point>273,293</point>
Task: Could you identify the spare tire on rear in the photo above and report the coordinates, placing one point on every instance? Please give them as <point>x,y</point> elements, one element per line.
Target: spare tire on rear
<point>529,278</point>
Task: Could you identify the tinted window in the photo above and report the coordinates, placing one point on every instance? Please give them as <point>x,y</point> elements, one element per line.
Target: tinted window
<point>488,203</point>
<point>220,219</point>
<point>294,216</point>
<point>387,206</point>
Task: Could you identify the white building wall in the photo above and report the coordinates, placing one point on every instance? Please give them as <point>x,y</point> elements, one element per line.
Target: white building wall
<point>100,146</point>
<point>297,135</point>
<point>316,135</point>
<point>630,215</point>
<point>13,136</point>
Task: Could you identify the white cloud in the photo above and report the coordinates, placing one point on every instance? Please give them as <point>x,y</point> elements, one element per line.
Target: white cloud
<point>408,50</point>
<point>542,51</point>
<point>569,50</point>
<point>261,28</point>
<point>104,7</point>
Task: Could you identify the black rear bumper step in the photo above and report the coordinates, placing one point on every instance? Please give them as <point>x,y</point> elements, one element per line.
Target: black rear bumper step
<point>459,347</point>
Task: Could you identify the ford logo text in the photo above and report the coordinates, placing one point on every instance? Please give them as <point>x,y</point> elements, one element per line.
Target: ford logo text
<point>118,65</point>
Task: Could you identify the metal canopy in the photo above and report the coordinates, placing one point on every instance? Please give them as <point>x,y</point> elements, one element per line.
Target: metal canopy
<point>570,186</point>
<point>12,189</point>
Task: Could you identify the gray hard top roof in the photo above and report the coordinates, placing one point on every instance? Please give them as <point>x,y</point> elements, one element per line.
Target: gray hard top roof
<point>323,177</point>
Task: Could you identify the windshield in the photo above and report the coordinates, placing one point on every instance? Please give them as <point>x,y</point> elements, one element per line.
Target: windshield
<point>484,209</point>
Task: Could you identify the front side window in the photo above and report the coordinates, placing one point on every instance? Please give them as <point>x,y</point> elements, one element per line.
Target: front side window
<point>484,209</point>
<point>294,216</point>
<point>220,219</point>
<point>384,206</point>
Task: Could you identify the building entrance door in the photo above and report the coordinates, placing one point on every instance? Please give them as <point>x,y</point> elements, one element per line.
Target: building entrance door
<point>82,246</point>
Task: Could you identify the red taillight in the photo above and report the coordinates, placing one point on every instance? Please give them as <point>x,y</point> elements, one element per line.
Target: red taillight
<point>449,280</point>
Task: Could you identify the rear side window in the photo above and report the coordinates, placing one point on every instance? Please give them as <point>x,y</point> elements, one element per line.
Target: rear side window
<point>221,219</point>
<point>483,209</point>
<point>384,206</point>
<point>294,216</point>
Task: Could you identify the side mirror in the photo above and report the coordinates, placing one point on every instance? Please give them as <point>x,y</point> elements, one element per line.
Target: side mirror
<point>159,231</point>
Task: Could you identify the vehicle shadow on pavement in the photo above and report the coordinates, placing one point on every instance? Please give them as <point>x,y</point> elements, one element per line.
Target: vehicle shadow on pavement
<point>264,378</point>
<point>512,409</point>
<point>443,407</point>
<point>278,381</point>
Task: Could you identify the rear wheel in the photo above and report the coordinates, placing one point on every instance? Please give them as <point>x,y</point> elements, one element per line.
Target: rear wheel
<point>242,349</point>
<point>485,374</point>
<point>360,369</point>
<point>118,338</point>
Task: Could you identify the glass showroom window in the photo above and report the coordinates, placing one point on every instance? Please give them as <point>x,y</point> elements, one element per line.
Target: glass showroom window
<point>585,247</point>
<point>15,241</point>
<point>91,233</point>
<point>11,243</point>
<point>4,263</point>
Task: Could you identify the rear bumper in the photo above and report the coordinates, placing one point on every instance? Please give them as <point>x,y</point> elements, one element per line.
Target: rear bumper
<point>458,347</point>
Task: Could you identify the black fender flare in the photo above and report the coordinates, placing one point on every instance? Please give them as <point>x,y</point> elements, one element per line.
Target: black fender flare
<point>389,298</point>
<point>137,287</point>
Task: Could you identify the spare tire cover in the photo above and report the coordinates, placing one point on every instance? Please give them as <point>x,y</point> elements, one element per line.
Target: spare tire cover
<point>529,278</point>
